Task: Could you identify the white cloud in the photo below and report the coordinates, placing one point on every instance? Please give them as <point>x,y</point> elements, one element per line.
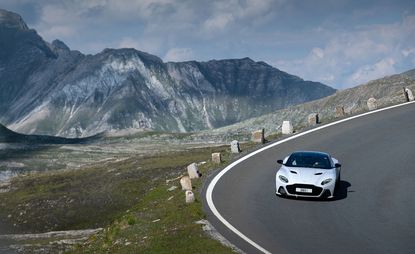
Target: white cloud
<point>408,52</point>
<point>369,72</point>
<point>143,8</point>
<point>355,57</point>
<point>318,52</point>
<point>59,32</point>
<point>56,23</point>
<point>225,15</point>
<point>178,55</point>
<point>218,22</point>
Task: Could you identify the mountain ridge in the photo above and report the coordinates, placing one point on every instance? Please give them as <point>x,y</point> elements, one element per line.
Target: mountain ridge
<point>47,88</point>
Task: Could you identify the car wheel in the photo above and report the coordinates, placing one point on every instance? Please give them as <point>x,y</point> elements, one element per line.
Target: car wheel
<point>337,186</point>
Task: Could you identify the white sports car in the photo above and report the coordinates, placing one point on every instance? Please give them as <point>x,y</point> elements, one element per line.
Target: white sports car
<point>308,174</point>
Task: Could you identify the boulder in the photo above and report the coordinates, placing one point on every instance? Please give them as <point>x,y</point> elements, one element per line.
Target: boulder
<point>313,119</point>
<point>235,147</point>
<point>340,111</point>
<point>186,183</point>
<point>193,171</point>
<point>372,104</point>
<point>190,197</point>
<point>258,136</point>
<point>216,158</point>
<point>408,94</point>
<point>287,127</point>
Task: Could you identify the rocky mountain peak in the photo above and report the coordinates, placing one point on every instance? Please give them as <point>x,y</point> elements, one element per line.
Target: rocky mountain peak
<point>130,52</point>
<point>58,45</point>
<point>12,20</point>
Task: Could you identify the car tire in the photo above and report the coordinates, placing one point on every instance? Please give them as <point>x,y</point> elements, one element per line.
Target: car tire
<point>337,187</point>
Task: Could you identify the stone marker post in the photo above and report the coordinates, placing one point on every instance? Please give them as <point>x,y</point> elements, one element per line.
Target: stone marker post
<point>313,119</point>
<point>372,104</point>
<point>405,94</point>
<point>258,136</point>
<point>190,197</point>
<point>287,127</point>
<point>193,171</point>
<point>186,183</point>
<point>408,94</point>
<point>216,158</point>
<point>235,147</point>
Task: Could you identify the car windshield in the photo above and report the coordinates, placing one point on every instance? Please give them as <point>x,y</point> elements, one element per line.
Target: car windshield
<point>308,160</point>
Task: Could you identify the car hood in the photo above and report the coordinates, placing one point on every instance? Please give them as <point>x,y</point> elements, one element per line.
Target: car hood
<point>307,175</point>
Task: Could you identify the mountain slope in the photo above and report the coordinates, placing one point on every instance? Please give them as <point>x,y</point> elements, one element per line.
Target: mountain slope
<point>50,89</point>
<point>410,73</point>
<point>387,91</point>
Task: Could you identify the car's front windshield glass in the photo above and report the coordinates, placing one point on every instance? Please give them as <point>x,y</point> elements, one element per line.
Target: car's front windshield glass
<point>309,160</point>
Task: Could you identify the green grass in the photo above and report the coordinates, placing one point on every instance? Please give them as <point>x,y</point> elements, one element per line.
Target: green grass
<point>124,198</point>
<point>161,221</point>
<point>90,197</point>
<point>156,225</point>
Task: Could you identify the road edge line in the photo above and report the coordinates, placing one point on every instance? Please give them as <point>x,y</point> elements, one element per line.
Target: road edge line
<point>212,184</point>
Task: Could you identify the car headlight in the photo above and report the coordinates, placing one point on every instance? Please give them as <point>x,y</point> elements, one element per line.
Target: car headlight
<point>283,178</point>
<point>326,181</point>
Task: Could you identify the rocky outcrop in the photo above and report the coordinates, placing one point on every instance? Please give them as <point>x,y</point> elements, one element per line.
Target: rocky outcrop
<point>12,20</point>
<point>372,104</point>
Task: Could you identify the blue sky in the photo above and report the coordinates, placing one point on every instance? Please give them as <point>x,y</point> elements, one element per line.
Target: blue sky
<point>339,43</point>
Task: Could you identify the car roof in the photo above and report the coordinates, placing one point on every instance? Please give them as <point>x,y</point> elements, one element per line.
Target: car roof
<point>315,153</point>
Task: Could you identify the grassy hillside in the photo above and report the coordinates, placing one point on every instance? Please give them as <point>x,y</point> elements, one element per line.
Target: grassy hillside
<point>128,198</point>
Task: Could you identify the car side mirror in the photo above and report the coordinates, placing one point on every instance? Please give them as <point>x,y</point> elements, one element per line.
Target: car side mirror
<point>337,165</point>
<point>279,161</point>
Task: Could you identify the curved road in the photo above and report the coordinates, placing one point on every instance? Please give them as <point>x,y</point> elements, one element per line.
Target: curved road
<point>374,211</point>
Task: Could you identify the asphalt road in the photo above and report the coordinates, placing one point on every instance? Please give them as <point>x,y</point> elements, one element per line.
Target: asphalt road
<point>374,211</point>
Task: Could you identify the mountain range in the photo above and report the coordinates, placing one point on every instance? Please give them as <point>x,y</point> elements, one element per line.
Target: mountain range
<point>49,89</point>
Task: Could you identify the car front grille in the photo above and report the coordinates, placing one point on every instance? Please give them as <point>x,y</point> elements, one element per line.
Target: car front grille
<point>316,191</point>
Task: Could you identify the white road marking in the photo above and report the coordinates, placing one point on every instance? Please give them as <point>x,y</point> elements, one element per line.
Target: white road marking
<point>212,184</point>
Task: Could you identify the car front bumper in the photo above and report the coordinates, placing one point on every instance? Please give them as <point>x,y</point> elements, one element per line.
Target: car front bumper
<point>292,190</point>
